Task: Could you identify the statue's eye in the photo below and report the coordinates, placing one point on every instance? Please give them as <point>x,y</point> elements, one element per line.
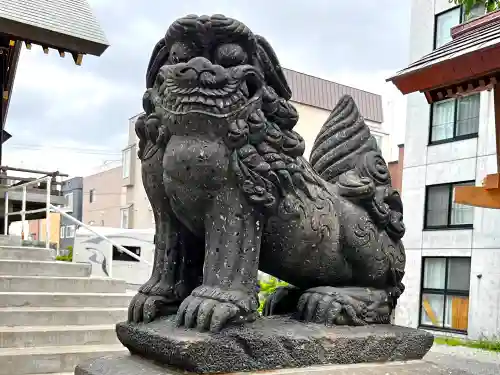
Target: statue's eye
<point>230,54</point>
<point>181,52</point>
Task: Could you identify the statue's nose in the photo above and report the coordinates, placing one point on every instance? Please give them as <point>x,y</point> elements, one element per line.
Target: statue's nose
<point>199,70</point>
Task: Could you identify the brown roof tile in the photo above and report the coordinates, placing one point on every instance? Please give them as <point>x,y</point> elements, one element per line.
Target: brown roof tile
<point>321,93</point>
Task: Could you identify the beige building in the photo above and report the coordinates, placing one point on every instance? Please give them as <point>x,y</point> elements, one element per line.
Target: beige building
<point>102,198</point>
<point>314,99</point>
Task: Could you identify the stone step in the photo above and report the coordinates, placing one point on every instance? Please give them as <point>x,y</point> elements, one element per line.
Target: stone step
<point>54,316</point>
<point>42,299</point>
<point>8,240</point>
<point>61,284</point>
<point>30,337</point>
<point>42,268</point>
<point>26,253</point>
<point>51,359</point>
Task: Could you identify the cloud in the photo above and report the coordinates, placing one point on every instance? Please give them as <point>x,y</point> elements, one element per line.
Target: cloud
<point>58,104</point>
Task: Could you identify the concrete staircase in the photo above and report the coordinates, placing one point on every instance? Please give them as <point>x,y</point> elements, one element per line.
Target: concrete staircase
<point>52,314</point>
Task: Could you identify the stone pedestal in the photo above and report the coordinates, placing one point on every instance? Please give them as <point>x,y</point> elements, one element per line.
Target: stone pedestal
<point>269,344</point>
<point>135,365</point>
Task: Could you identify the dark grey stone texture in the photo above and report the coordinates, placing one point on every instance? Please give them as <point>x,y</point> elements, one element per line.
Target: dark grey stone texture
<point>232,193</point>
<point>271,343</point>
<point>134,365</point>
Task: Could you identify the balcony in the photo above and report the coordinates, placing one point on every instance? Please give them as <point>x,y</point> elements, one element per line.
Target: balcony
<point>36,195</point>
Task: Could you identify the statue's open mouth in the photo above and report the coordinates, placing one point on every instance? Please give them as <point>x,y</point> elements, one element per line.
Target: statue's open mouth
<point>241,91</point>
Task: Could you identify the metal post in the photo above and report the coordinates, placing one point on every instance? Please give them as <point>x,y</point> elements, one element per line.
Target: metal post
<point>6,215</point>
<point>23,212</point>
<point>47,214</point>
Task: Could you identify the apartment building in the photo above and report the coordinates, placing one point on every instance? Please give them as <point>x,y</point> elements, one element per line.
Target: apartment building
<point>73,195</point>
<point>313,97</point>
<point>102,198</point>
<point>453,251</point>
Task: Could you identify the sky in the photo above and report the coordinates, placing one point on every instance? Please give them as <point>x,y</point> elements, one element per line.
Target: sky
<point>75,118</point>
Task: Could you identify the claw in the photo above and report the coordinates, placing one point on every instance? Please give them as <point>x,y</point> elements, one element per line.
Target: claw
<point>312,304</point>
<point>138,307</point>
<point>179,319</point>
<point>191,312</point>
<point>221,315</point>
<point>322,309</point>
<point>333,313</point>
<point>205,312</point>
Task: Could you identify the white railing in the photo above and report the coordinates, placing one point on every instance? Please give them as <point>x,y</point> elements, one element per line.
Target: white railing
<point>103,237</point>
<point>23,212</point>
<point>51,208</point>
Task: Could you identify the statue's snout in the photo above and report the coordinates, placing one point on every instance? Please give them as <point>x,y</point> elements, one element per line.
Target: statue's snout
<point>199,71</point>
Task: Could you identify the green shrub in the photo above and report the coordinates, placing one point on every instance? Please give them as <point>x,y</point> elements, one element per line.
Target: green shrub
<point>266,287</point>
<point>68,257</point>
<point>491,345</point>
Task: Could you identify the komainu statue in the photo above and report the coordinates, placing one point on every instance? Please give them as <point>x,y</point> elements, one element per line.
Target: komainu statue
<point>232,193</point>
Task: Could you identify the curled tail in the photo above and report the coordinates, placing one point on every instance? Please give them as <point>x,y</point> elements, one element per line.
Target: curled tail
<point>342,140</point>
<point>345,153</point>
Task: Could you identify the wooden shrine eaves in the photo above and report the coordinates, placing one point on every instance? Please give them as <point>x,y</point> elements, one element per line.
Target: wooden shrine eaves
<point>470,62</point>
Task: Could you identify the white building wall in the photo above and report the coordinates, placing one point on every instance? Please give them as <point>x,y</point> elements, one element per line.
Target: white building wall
<point>470,159</point>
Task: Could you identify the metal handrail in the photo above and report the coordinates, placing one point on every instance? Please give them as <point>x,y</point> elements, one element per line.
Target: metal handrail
<point>103,237</point>
<point>23,211</point>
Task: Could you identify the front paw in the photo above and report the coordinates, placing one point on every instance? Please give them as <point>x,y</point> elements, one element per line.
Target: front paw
<point>212,308</point>
<point>331,306</point>
<point>145,308</point>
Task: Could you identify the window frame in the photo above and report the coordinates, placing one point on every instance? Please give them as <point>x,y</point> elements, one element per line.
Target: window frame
<point>92,195</point>
<point>455,138</point>
<point>62,232</point>
<point>70,231</point>
<point>127,211</point>
<point>450,202</point>
<point>126,162</point>
<point>437,15</point>
<point>442,292</point>
<point>69,201</point>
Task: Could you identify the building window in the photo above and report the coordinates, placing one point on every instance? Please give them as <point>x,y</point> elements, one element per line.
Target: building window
<point>441,212</point>
<point>126,163</point>
<point>68,202</point>
<point>455,119</point>
<point>70,231</point>
<point>62,232</point>
<point>444,23</point>
<point>445,293</point>
<point>91,195</point>
<point>124,218</point>
<point>120,255</point>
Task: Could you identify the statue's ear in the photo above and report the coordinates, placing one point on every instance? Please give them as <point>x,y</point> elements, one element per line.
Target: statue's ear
<point>158,58</point>
<point>271,68</point>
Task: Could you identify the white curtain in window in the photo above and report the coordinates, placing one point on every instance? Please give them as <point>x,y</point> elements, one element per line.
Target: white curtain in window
<point>461,214</point>
<point>468,115</point>
<point>438,200</point>
<point>434,273</point>
<point>444,23</point>
<point>443,118</point>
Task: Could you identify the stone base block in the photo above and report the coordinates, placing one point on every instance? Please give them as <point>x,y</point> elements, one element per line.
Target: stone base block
<point>271,343</point>
<point>135,365</point>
